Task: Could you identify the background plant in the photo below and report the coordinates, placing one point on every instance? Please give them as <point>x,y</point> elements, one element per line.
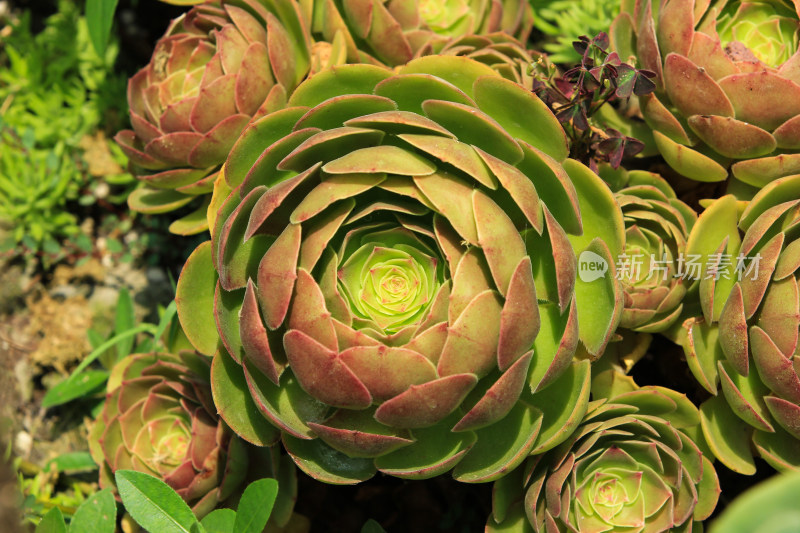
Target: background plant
<point>580,99</point>
<point>55,92</point>
<point>564,21</point>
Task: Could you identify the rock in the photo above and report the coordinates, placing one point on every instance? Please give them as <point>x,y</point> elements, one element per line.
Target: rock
<point>63,292</point>
<point>104,298</point>
<point>23,443</point>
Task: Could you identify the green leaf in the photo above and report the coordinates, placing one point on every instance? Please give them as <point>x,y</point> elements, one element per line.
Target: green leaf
<point>124,321</point>
<point>165,321</point>
<point>51,246</point>
<point>113,245</point>
<point>72,462</point>
<point>235,403</point>
<point>100,17</point>
<point>220,521</point>
<point>727,435</point>
<point>95,338</point>
<point>195,300</point>
<point>256,506</point>
<point>769,507</point>
<point>193,223</point>
<point>52,399</point>
<point>153,504</point>
<point>599,299</point>
<point>98,514</point>
<point>53,522</point>
<point>72,389</point>
<point>371,526</point>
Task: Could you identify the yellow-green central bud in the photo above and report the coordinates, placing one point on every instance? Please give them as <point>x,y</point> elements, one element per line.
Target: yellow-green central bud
<point>759,31</point>
<point>170,449</point>
<point>389,285</point>
<point>444,16</point>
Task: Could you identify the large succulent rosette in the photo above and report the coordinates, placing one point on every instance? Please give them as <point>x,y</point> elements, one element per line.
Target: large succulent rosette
<point>159,418</point>
<point>743,349</point>
<point>394,274</point>
<point>651,268</point>
<point>216,67</point>
<point>395,31</point>
<point>728,85</point>
<point>632,464</point>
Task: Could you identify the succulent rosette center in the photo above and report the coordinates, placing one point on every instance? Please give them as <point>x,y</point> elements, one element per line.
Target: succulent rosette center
<point>762,31</point>
<point>609,494</point>
<point>390,280</point>
<point>394,32</point>
<point>444,16</point>
<point>169,444</point>
<point>618,491</point>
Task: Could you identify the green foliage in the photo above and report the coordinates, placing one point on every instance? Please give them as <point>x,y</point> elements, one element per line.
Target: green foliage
<point>35,186</point>
<point>156,507</point>
<point>53,522</point>
<point>85,382</point>
<point>100,18</point>
<point>769,507</point>
<point>255,507</point>
<point>59,484</point>
<point>97,514</point>
<point>53,82</point>
<point>54,92</point>
<point>153,504</point>
<point>372,526</point>
<point>563,21</point>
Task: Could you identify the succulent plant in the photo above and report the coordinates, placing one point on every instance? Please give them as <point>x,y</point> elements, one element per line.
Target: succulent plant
<point>657,225</point>
<point>159,418</point>
<point>769,507</point>
<point>393,276</point>
<point>499,51</point>
<point>217,67</point>
<point>394,32</point>
<point>565,21</point>
<point>631,465</point>
<point>727,85</point>
<point>745,343</point>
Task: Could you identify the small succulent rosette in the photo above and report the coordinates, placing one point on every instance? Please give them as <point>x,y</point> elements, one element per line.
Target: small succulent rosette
<point>393,276</point>
<point>216,67</point>
<point>159,418</point>
<point>728,85</point>
<point>743,348</point>
<point>500,51</point>
<point>633,464</point>
<point>651,268</point>
<point>393,33</point>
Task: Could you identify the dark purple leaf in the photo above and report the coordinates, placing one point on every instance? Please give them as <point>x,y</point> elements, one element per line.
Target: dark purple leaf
<point>632,81</point>
<point>601,41</point>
